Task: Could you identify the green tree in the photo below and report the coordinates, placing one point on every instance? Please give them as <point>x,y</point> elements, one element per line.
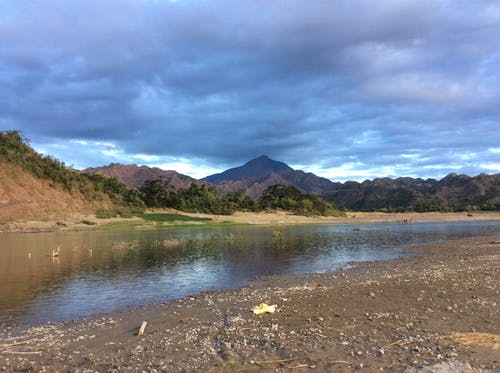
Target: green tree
<point>153,193</point>
<point>289,198</point>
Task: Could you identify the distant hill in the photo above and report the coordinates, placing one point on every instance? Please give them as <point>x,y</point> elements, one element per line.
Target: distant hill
<point>134,176</point>
<point>452,193</point>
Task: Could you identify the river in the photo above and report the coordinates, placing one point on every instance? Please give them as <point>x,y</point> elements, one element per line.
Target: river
<point>103,271</point>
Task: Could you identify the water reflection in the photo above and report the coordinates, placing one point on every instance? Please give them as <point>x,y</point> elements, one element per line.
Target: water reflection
<point>103,271</point>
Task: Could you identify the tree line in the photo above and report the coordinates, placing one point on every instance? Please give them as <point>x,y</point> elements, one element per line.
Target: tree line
<point>204,198</point>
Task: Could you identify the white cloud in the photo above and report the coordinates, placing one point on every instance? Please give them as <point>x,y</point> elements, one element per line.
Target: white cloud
<point>490,167</point>
<point>198,171</point>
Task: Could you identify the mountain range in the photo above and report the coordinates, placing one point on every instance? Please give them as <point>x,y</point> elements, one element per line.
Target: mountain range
<point>33,185</point>
<point>454,192</point>
<point>253,177</point>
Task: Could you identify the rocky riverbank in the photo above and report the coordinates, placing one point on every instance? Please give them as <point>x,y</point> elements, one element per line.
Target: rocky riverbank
<point>436,310</point>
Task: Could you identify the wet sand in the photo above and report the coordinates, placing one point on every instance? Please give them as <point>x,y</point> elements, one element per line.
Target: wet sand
<point>436,310</point>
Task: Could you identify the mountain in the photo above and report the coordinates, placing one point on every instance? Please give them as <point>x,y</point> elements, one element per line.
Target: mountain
<point>453,192</point>
<point>260,173</point>
<point>256,168</point>
<point>134,176</point>
<point>254,177</point>
<point>37,186</point>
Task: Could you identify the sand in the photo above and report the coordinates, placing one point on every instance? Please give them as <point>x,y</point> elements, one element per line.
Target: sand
<point>73,221</point>
<point>283,218</point>
<point>435,311</point>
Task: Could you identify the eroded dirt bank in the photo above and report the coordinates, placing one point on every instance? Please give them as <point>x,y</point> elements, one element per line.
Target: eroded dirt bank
<point>436,310</point>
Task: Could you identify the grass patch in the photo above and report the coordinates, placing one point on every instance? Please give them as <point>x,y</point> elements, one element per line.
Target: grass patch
<point>153,221</point>
<point>125,213</point>
<point>170,218</point>
<point>127,225</point>
<point>209,224</point>
<point>151,225</point>
<point>103,213</point>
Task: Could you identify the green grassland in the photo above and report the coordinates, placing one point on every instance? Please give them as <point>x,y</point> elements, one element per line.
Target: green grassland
<point>167,220</point>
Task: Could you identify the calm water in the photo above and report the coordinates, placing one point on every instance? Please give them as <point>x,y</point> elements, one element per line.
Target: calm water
<point>100,272</point>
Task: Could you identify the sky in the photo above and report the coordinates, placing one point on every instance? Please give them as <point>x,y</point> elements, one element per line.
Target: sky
<point>347,89</point>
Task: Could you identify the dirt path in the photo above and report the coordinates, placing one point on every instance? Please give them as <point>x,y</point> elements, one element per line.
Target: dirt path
<point>437,310</point>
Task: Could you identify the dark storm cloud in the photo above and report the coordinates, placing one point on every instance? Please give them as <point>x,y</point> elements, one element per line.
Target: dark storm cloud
<point>403,87</point>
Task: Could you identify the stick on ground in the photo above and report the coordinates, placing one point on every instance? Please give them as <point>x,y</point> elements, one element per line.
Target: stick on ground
<point>142,329</point>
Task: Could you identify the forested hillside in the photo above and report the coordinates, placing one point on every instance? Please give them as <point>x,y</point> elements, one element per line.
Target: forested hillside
<point>452,193</point>
<point>32,185</point>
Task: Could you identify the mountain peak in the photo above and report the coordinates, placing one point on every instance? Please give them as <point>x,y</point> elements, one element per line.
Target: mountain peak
<point>255,168</point>
<point>261,159</point>
<point>265,161</point>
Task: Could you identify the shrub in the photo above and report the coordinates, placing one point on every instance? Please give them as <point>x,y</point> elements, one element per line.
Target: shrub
<point>106,213</point>
<point>125,213</point>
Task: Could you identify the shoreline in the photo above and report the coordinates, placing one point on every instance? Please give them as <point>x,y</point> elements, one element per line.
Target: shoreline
<point>438,308</point>
<point>75,221</point>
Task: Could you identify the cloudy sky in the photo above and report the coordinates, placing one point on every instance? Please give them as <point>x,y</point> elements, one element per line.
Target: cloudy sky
<point>348,89</point>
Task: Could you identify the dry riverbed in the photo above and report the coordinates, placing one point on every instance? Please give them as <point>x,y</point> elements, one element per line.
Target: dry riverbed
<point>436,310</point>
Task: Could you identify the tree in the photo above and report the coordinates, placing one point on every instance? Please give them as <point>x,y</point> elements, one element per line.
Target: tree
<point>153,193</point>
<point>289,198</point>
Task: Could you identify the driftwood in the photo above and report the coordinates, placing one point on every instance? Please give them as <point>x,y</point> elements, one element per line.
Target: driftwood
<point>22,352</point>
<point>275,361</point>
<point>13,344</point>
<point>142,329</point>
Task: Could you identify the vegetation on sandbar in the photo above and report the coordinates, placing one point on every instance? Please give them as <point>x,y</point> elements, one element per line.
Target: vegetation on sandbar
<point>204,199</point>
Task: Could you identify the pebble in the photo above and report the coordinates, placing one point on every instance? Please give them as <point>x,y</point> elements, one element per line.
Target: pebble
<point>231,337</point>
